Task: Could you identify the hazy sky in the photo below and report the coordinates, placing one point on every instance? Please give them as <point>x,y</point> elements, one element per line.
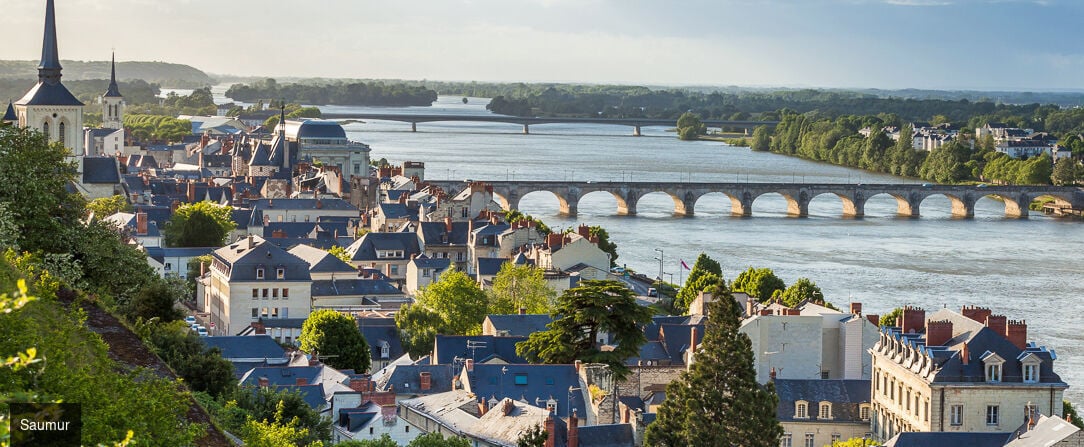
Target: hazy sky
<point>976,44</point>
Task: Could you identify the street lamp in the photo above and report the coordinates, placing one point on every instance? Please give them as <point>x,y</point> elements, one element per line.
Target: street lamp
<point>660,259</point>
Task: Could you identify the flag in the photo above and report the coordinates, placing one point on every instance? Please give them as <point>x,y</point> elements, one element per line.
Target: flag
<point>684,265</point>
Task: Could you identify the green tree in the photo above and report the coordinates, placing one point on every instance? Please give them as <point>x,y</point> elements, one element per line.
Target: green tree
<point>802,290</point>
<point>418,327</point>
<point>453,305</point>
<point>689,126</point>
<point>693,288</point>
<point>33,179</point>
<point>335,337</point>
<point>434,439</point>
<point>758,283</point>
<point>581,314</point>
<point>339,252</point>
<point>155,301</point>
<point>107,206</point>
<point>534,437</point>
<point>277,432</point>
<point>1067,171</point>
<point>761,139</point>
<point>1070,414</point>
<point>889,319</point>
<point>520,286</point>
<point>197,263</point>
<point>201,224</point>
<point>735,409</point>
<point>383,441</point>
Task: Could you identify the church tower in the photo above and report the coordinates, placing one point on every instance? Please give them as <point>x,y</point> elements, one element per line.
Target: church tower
<point>49,107</point>
<point>113,102</point>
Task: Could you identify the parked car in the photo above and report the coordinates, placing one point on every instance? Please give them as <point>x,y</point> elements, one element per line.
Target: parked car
<point>190,320</point>
<point>202,331</point>
<point>652,292</point>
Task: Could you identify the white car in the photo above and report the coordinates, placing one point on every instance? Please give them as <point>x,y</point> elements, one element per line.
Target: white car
<point>202,331</point>
<point>190,320</point>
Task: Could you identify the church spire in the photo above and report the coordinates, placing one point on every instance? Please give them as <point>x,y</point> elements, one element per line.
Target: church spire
<point>49,68</point>
<point>113,91</point>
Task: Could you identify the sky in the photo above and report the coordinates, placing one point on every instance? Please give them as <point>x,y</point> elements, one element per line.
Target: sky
<point>891,44</point>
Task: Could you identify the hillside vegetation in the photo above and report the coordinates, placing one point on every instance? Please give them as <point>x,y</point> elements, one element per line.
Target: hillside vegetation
<point>162,73</point>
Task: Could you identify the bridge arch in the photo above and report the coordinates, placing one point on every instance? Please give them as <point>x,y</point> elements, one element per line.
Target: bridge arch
<point>683,205</point>
<point>623,207</point>
<point>733,201</point>
<point>1020,202</point>
<point>852,206</point>
<point>797,201</point>
<point>962,205</point>
<point>565,205</point>
<point>505,201</point>
<point>906,204</point>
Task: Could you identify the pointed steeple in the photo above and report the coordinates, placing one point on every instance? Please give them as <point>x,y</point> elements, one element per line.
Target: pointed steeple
<point>49,68</point>
<point>9,115</point>
<point>113,91</point>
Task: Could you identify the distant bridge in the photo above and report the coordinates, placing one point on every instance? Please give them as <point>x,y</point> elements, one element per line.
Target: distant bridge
<point>526,122</point>
<point>908,197</point>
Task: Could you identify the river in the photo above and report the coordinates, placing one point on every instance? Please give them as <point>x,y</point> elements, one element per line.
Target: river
<point>1025,269</point>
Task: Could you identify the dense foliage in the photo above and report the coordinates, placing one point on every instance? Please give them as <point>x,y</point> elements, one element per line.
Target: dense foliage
<point>335,93</point>
<point>200,224</point>
<point>453,305</point>
<point>705,274</point>
<point>759,283</point>
<point>735,409</point>
<point>581,314</point>
<point>156,127</point>
<point>520,287</point>
<point>335,338</point>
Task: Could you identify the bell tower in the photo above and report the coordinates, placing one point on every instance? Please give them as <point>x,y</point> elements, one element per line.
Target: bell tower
<point>113,101</point>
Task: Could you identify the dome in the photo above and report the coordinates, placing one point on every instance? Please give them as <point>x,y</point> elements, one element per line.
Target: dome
<point>315,129</point>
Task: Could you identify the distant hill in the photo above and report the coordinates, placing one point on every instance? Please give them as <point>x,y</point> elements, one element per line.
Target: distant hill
<point>162,73</point>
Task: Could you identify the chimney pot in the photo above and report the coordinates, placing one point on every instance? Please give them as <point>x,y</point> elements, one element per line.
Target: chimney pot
<point>997,323</point>
<point>523,311</point>
<point>856,309</point>
<point>938,332</point>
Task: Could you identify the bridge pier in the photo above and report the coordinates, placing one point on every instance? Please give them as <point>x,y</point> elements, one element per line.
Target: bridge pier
<point>626,206</point>
<point>907,207</point>
<point>797,208</point>
<point>741,206</point>
<point>685,207</point>
<point>526,129</point>
<point>1017,207</point>
<point>853,207</point>
<point>635,131</point>
<point>413,127</point>
<point>962,207</point>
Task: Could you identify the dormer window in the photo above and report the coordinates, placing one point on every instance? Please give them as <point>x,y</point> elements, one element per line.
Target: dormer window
<point>801,410</point>
<point>863,411</point>
<point>385,350</point>
<point>259,273</point>
<point>993,372</point>
<point>1030,366</point>
<point>280,273</point>
<point>825,411</point>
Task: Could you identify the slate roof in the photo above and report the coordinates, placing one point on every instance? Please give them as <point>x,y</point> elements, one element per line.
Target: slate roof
<point>284,323</point>
<point>47,94</point>
<point>397,211</point>
<point>98,170</point>
<point>1046,432</point>
<point>406,379</point>
<point>519,325</point>
<point>845,396</point>
<point>652,351</point>
<point>246,347</point>
<point>314,128</point>
<point>353,419</point>
<point>947,439</point>
<point>312,394</point>
<point>677,338</point>
<point>436,233</point>
<point>243,258</point>
<point>321,261</point>
<point>160,253</point>
<point>100,132</point>
<point>377,336</point>
<point>139,161</point>
<point>490,266</point>
<point>534,384</point>
<point>157,214</point>
<point>353,286</point>
<point>425,262</point>
<point>302,204</point>
<point>281,375</point>
<point>609,435</point>
<point>305,229</point>
<point>113,91</point>
<point>448,347</point>
<point>364,249</point>
<point>10,115</point>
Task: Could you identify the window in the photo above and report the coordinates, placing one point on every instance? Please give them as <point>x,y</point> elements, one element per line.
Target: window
<point>306,218</point>
<point>285,293</point>
<point>785,441</point>
<point>809,440</point>
<point>45,129</point>
<point>801,410</point>
<point>407,427</point>
<point>459,256</point>
<point>916,405</point>
<point>826,411</point>
<point>892,390</point>
<point>836,437</point>
<point>280,273</point>
<point>274,294</point>
<point>908,400</point>
<point>259,273</point>
<point>824,375</point>
<point>956,415</point>
<point>993,372</point>
<point>357,168</point>
<point>1031,373</point>
<point>265,294</point>
<point>425,273</point>
<point>394,270</point>
<point>274,312</point>
<point>61,128</point>
<point>169,266</point>
<point>263,312</point>
<point>521,379</point>
<point>464,212</point>
<point>991,415</point>
<point>255,293</point>
<point>926,410</point>
<point>864,412</point>
<point>255,312</point>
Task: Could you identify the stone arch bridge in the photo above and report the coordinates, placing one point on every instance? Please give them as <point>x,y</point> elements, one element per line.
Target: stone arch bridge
<point>908,197</point>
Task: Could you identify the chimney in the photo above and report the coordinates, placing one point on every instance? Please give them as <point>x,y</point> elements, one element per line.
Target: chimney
<point>1017,333</point>
<point>584,231</point>
<point>578,364</point>
<point>191,192</point>
<point>914,319</point>
<point>523,311</point>
<point>258,328</point>
<point>470,365</point>
<point>765,312</point>
<point>976,313</point>
<point>448,224</point>
<point>202,268</point>
<point>470,226</point>
<point>301,381</point>
<point>965,356</point>
<point>874,318</point>
<point>856,309</point>
<point>791,312</point>
<point>692,339</point>
<point>426,380</point>
<point>771,374</point>
<point>750,306</point>
<point>553,240</point>
<point>997,323</point>
<point>264,383</point>
<point>938,332</point>
<point>551,432</point>
<point>483,407</point>
<point>361,385</point>
<point>141,223</point>
<point>173,206</point>
<point>573,430</point>
<point>507,406</point>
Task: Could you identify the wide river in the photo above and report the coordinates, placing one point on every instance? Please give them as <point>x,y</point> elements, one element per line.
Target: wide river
<point>1026,269</point>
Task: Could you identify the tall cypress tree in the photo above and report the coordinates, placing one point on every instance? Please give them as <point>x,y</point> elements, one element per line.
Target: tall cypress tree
<point>718,401</point>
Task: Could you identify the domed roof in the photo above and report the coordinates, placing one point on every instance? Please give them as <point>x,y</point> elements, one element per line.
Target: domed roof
<point>315,129</point>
